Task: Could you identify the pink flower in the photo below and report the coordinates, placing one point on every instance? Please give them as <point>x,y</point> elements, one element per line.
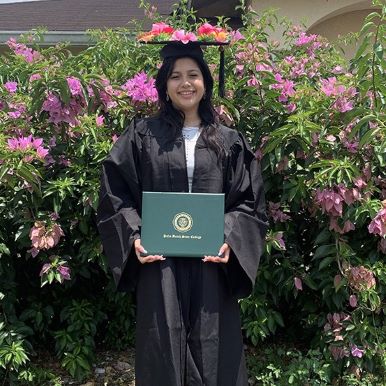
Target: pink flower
<point>46,267</point>
<point>378,224</point>
<point>99,120</point>
<point>74,85</point>
<point>27,143</point>
<point>356,351</point>
<point>330,202</point>
<point>305,39</point>
<point>11,87</point>
<point>361,278</point>
<point>236,36</point>
<point>65,272</point>
<point>206,29</point>
<point>280,244</point>
<point>41,152</point>
<point>285,86</point>
<point>14,114</point>
<point>159,28</point>
<point>353,301</point>
<point>114,138</point>
<point>263,67</point>
<point>347,227</point>
<point>276,214</point>
<point>183,36</point>
<point>342,104</point>
<point>328,86</point>
<point>34,77</point>
<point>141,88</point>
<point>43,237</point>
<point>22,50</point>
<point>291,107</point>
<point>298,284</point>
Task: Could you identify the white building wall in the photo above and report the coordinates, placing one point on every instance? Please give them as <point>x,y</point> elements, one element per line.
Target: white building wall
<point>329,18</point>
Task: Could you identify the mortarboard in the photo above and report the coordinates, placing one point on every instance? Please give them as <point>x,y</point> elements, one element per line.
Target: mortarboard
<point>179,49</point>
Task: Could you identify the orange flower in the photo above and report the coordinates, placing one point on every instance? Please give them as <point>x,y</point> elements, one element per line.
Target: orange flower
<point>145,37</point>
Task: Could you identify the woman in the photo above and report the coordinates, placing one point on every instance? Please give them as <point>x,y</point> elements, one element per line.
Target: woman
<point>188,325</point>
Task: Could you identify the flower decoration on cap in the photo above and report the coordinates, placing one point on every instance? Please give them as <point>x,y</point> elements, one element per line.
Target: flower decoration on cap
<point>162,32</point>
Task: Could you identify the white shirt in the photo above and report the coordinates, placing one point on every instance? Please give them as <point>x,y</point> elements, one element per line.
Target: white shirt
<point>190,135</point>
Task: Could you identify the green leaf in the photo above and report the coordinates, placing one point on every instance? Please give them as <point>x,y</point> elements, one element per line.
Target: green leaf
<point>326,262</point>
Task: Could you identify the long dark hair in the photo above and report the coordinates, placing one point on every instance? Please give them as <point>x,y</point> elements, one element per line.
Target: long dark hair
<point>175,118</point>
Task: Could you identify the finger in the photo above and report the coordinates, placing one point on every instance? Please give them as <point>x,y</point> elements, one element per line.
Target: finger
<point>151,258</point>
<point>222,249</point>
<point>213,259</point>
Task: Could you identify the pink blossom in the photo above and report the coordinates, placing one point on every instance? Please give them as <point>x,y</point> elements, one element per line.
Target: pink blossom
<point>353,301</point>
<point>337,70</point>
<point>206,29</point>
<point>41,152</point>
<point>285,86</point>
<point>356,351</point>
<point>183,36</point>
<point>330,202</point>
<point>278,237</point>
<point>347,227</point>
<point>74,85</point>
<point>99,120</point>
<point>305,39</point>
<point>59,112</point>
<point>46,267</point>
<point>263,67</point>
<point>361,278</point>
<point>114,138</point>
<point>253,82</point>
<point>14,114</point>
<point>22,50</point>
<point>328,86</point>
<point>291,107</point>
<point>141,88</point>
<point>342,104</point>
<point>298,284</point>
<point>43,237</point>
<point>34,77</point>
<point>236,36</point>
<point>349,195</point>
<point>107,94</point>
<point>378,224</point>
<point>276,214</point>
<point>161,27</point>
<point>65,272</point>
<point>27,143</point>
<point>11,87</point>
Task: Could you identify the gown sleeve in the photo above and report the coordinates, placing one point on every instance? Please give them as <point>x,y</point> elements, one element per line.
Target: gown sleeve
<point>118,217</point>
<point>245,218</point>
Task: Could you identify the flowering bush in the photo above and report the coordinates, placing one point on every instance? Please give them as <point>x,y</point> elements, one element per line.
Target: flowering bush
<point>317,125</point>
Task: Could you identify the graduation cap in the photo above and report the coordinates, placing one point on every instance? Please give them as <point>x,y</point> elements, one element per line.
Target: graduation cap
<point>193,49</point>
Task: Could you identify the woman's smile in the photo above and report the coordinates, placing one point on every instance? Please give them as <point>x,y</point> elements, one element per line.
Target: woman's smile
<point>185,85</point>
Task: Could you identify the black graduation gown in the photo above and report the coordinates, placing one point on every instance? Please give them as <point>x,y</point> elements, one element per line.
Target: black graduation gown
<point>188,326</point>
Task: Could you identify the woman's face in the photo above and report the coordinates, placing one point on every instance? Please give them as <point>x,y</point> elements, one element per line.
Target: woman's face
<point>185,85</point>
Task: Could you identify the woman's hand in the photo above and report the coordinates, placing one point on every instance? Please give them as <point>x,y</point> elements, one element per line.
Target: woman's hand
<point>224,251</point>
<point>145,259</point>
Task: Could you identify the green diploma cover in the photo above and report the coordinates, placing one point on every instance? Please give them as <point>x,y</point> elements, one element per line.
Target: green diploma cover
<point>182,224</point>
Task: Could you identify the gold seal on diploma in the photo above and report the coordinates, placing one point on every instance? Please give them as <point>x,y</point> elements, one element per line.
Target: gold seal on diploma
<point>182,222</point>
